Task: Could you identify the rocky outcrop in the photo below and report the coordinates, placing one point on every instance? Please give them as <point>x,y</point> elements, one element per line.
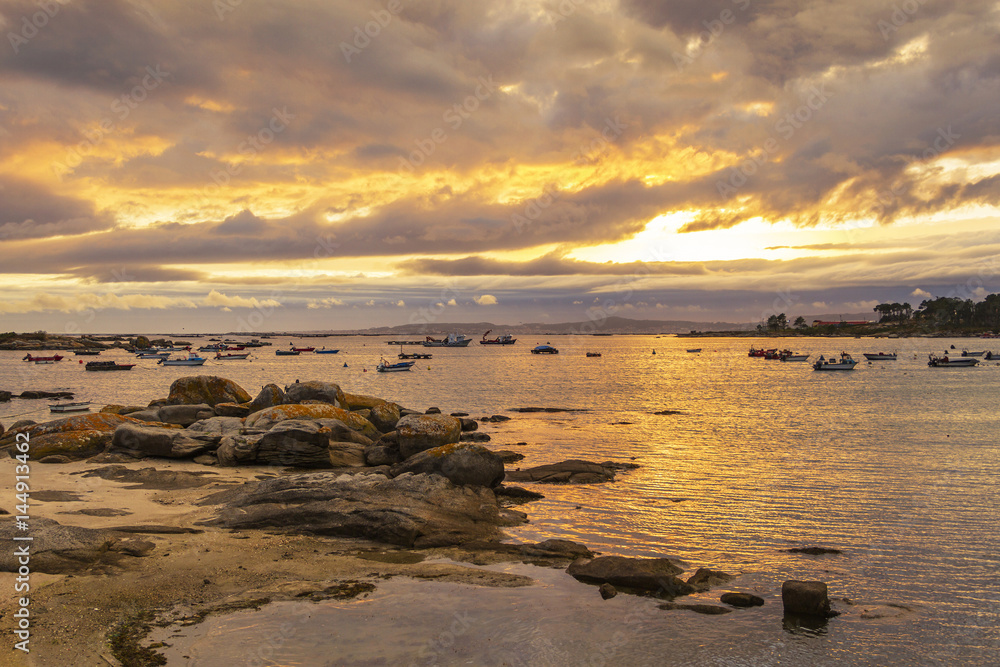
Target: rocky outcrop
<point>232,410</point>
<point>5,396</point>
<point>409,510</point>
<point>647,575</point>
<point>237,450</point>
<point>270,395</point>
<point>185,415</point>
<point>573,471</point>
<point>59,549</point>
<point>360,401</point>
<point>295,443</point>
<point>265,419</point>
<point>116,409</point>
<point>461,463</point>
<point>217,427</point>
<point>210,389</point>
<point>421,432</point>
<point>142,441</point>
<point>76,438</point>
<point>45,394</point>
<point>805,598</point>
<point>385,416</point>
<point>315,390</point>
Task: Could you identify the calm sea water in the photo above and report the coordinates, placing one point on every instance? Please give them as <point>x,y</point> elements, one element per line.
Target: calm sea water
<point>894,463</point>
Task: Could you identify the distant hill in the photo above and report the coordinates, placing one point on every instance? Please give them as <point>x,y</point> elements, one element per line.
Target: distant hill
<point>610,325</point>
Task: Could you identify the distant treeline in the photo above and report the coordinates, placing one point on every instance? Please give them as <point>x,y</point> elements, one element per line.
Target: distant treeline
<point>947,311</point>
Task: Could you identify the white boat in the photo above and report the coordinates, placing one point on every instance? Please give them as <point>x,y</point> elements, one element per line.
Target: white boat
<point>44,361</point>
<point>385,367</point>
<point>966,353</point>
<point>190,360</point>
<point>880,356</point>
<point>231,356</point>
<point>845,363</point>
<point>453,340</point>
<point>152,355</point>
<point>794,357</point>
<point>950,362</point>
<point>78,406</point>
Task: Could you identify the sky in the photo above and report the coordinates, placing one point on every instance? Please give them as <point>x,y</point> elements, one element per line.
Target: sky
<point>242,165</point>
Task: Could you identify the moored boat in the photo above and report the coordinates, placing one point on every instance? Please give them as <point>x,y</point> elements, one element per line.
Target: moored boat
<point>756,352</point>
<point>78,406</point>
<point>286,353</point>
<point>453,340</point>
<point>385,367</point>
<point>881,356</point>
<point>845,363</point>
<point>152,355</point>
<point>326,351</point>
<point>788,355</point>
<point>966,353</point>
<point>505,339</point>
<point>694,350</point>
<point>231,356</point>
<point>190,360</point>
<point>415,355</point>
<point>593,354</point>
<point>544,349</point>
<point>86,353</point>
<point>108,366</point>
<point>54,357</point>
<point>950,362</point>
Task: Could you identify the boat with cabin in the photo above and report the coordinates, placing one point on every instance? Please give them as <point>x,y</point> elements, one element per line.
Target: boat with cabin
<point>453,340</point>
<point>845,363</point>
<point>190,360</point>
<point>505,339</point>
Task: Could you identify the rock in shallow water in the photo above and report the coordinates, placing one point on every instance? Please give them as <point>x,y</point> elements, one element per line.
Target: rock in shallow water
<point>417,433</point>
<point>461,463</point>
<point>409,510</point>
<point>806,598</point>
<point>741,599</point>
<point>649,575</point>
<point>568,472</point>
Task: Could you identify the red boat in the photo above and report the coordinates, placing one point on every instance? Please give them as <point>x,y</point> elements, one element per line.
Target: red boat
<point>303,349</point>
<point>505,339</point>
<point>755,352</point>
<point>55,357</point>
<point>772,354</point>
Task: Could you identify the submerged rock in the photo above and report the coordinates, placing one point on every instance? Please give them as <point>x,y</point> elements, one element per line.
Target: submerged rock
<point>805,598</point>
<point>649,575</point>
<point>461,463</point>
<point>710,609</point>
<point>573,471</point>
<point>704,578</point>
<point>742,599</point>
<point>409,510</point>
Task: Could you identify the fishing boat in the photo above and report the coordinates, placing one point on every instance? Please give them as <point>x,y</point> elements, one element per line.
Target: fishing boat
<point>231,356</point>
<point>52,358</point>
<point>788,355</point>
<point>881,356</point>
<point>218,347</point>
<point>505,339</point>
<point>415,355</point>
<point>323,350</point>
<point>966,353</point>
<point>385,367</point>
<point>694,350</point>
<point>43,361</point>
<point>152,355</point>
<point>286,353</point>
<point>108,366</point>
<point>303,349</point>
<point>544,349</point>
<point>453,340</point>
<point>190,360</point>
<point>845,363</point>
<point>86,353</point>
<point>756,352</point>
<point>953,362</point>
<point>593,354</point>
<point>772,354</point>
<point>172,349</point>
<point>78,406</point>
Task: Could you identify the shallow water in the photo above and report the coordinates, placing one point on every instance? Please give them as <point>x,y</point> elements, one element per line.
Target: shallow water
<point>894,463</point>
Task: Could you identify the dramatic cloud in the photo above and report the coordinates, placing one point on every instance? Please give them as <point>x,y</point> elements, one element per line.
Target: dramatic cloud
<point>173,150</point>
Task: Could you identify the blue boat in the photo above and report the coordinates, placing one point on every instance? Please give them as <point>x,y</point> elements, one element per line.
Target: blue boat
<point>326,351</point>
<point>385,367</point>
<point>544,349</point>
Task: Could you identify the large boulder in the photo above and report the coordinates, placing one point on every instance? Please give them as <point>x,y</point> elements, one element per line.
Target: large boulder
<point>237,450</point>
<point>142,441</point>
<point>705,578</point>
<point>648,575</point>
<point>341,432</point>
<point>210,389</point>
<point>384,416</point>
<point>461,463</point>
<point>232,410</point>
<point>185,415</point>
<point>315,390</point>
<point>74,445</point>
<point>805,598</point>
<point>270,395</point>
<point>421,432</point>
<point>265,419</point>
<point>361,401</point>
<point>216,426</point>
<point>573,471</point>
<point>409,510</point>
<point>295,443</point>
<point>346,455</point>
